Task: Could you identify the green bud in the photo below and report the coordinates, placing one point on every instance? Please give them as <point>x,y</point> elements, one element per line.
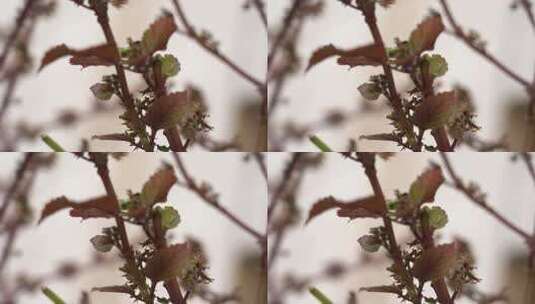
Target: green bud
<point>102,91</point>
<point>437,65</point>
<point>436,216</point>
<point>169,217</point>
<point>102,243</point>
<point>369,91</point>
<point>369,243</point>
<point>170,65</point>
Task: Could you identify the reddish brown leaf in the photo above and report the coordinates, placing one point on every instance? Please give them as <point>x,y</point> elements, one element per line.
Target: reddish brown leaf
<point>369,206</point>
<point>321,54</point>
<point>423,38</point>
<point>155,190</point>
<point>103,206</point>
<point>158,34</point>
<point>436,111</point>
<point>321,206</point>
<point>155,38</point>
<point>89,61</point>
<point>167,263</point>
<point>364,207</point>
<point>170,110</point>
<point>426,185</point>
<point>54,206</point>
<point>100,55</point>
<point>54,54</point>
<point>435,263</point>
<point>365,55</point>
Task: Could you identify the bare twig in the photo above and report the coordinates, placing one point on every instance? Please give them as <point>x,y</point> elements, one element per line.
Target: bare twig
<point>285,27</point>
<point>261,9</point>
<point>527,7</point>
<point>260,159</point>
<point>17,179</point>
<point>213,201</point>
<point>459,33</point>
<point>279,190</point>
<point>17,27</point>
<point>480,201</point>
<point>191,33</point>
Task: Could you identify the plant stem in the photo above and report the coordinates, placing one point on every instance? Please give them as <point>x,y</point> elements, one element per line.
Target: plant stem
<point>368,10</point>
<point>101,162</point>
<point>13,188</point>
<point>285,27</point>
<point>171,285</point>
<point>260,8</point>
<point>279,191</point>
<point>17,27</point>
<point>527,7</point>
<point>368,162</point>
<point>172,135</point>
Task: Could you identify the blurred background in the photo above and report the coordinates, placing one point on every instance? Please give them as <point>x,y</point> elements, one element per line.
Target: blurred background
<point>500,102</point>
<point>233,255</point>
<point>230,99</point>
<point>308,250</point>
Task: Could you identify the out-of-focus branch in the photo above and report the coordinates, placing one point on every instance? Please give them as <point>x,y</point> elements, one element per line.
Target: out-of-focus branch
<point>192,33</point>
<point>261,9</point>
<point>285,27</point>
<point>213,201</point>
<point>459,33</point>
<point>480,201</point>
<point>279,190</point>
<point>17,27</point>
<point>17,179</point>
